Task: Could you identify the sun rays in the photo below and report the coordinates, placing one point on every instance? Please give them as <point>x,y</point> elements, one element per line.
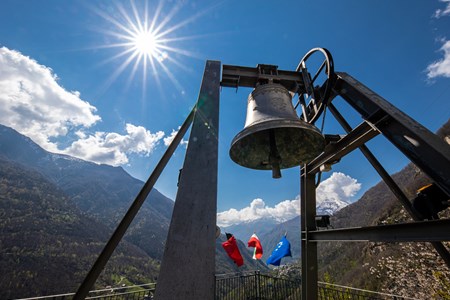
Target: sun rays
<point>146,40</point>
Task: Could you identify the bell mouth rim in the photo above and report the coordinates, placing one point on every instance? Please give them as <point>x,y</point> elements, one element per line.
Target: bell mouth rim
<point>267,125</point>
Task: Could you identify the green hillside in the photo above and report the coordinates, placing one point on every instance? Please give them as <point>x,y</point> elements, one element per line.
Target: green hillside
<point>47,245</point>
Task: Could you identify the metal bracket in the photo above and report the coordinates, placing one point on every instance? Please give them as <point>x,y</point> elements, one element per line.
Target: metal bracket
<point>234,76</point>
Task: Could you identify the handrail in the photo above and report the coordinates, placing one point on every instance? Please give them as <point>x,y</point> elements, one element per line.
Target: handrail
<point>146,286</point>
<point>365,291</point>
<point>324,286</point>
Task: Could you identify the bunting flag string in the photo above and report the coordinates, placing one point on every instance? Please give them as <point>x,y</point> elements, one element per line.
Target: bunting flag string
<point>282,249</point>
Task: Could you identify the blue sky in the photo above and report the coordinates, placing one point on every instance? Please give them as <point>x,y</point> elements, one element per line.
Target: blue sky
<point>71,80</point>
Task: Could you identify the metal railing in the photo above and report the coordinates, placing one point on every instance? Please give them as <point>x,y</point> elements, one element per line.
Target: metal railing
<point>328,291</point>
<point>257,286</point>
<point>136,292</point>
<point>252,286</point>
<point>241,286</point>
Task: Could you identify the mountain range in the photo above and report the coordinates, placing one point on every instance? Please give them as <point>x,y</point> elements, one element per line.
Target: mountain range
<point>47,244</point>
<point>264,225</point>
<point>57,212</point>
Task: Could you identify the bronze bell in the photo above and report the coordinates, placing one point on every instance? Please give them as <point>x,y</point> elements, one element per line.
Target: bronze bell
<point>274,137</point>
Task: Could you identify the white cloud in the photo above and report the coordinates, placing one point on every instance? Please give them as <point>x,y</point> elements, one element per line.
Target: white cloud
<point>338,188</point>
<point>443,12</point>
<point>112,148</point>
<point>442,66</point>
<point>33,103</point>
<point>258,209</point>
<point>169,139</point>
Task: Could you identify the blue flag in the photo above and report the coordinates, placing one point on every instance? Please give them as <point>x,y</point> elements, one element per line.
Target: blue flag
<point>282,249</point>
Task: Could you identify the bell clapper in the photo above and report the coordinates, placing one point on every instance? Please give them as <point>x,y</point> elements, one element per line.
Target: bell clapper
<point>274,155</point>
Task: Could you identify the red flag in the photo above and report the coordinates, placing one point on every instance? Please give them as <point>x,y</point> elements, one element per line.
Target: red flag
<point>232,250</point>
<point>254,242</point>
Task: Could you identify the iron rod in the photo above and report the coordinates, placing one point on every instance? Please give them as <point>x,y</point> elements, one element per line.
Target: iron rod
<point>118,234</point>
<point>318,71</point>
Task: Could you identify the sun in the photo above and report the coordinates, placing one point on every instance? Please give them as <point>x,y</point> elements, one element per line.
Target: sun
<point>145,43</point>
<point>146,37</point>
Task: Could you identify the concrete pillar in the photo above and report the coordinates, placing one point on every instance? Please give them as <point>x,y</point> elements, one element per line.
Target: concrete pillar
<point>188,265</point>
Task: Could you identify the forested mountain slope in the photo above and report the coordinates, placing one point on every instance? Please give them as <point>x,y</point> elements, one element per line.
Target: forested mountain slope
<point>47,244</point>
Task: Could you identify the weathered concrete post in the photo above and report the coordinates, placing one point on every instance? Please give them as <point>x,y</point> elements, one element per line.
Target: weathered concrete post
<point>188,265</point>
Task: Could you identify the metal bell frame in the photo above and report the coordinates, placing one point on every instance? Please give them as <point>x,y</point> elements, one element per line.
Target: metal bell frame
<point>187,275</point>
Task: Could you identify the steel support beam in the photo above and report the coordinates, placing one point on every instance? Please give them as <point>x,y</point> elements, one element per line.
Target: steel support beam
<point>423,231</point>
<point>188,265</point>
<point>308,224</point>
<point>440,248</point>
<point>235,76</point>
<point>377,165</point>
<point>425,149</point>
<point>335,151</point>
